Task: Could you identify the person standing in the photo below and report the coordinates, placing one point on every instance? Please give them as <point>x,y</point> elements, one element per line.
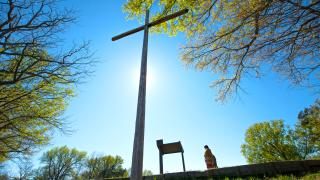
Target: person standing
<point>209,158</point>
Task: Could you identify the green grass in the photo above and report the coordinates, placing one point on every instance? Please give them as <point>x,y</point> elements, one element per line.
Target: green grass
<point>311,176</point>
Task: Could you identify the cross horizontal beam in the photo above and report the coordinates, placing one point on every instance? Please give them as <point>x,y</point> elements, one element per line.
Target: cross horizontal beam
<point>159,21</point>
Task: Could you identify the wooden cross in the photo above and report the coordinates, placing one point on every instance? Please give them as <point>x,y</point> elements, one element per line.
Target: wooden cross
<point>137,155</point>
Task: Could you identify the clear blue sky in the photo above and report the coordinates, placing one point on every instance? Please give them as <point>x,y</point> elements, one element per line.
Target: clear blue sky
<point>180,104</point>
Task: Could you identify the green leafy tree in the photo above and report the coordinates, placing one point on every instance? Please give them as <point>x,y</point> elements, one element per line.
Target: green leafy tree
<point>100,167</point>
<point>308,131</point>
<point>238,39</point>
<point>61,162</point>
<point>270,141</point>
<point>147,173</point>
<point>273,141</point>
<point>310,117</point>
<point>36,76</point>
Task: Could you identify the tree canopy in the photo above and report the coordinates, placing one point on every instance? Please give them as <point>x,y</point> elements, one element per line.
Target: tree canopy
<point>37,77</point>
<point>308,131</point>
<point>61,162</point>
<point>238,39</point>
<point>100,167</point>
<point>147,173</point>
<point>274,141</point>
<point>269,141</point>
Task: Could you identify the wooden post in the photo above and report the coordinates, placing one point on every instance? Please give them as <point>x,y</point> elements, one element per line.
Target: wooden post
<point>161,162</point>
<point>159,144</point>
<point>184,168</point>
<point>137,156</point>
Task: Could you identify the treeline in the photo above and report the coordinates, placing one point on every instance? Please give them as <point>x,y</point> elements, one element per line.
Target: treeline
<point>66,163</point>
<point>275,141</point>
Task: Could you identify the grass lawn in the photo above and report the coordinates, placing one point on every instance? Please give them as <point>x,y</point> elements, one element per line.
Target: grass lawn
<point>312,176</point>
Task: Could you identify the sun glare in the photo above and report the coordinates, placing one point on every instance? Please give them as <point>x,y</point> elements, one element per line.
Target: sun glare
<point>150,77</point>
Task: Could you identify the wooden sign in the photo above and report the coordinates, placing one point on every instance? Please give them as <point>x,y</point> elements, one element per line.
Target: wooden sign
<point>169,148</point>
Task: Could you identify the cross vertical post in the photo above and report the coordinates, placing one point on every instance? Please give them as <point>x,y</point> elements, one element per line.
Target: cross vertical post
<point>138,144</point>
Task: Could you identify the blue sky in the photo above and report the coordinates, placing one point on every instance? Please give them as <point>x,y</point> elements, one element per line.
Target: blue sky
<point>180,105</point>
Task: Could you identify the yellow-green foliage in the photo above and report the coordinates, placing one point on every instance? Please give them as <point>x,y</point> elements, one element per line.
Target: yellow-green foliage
<point>62,162</point>
<point>31,107</point>
<point>274,141</point>
<point>99,167</point>
<point>269,141</point>
<point>234,38</point>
